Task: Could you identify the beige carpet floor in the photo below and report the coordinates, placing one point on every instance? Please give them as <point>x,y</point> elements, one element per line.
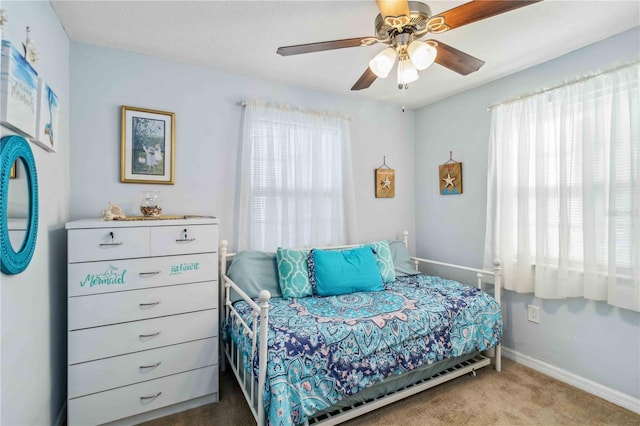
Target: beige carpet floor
<point>516,396</point>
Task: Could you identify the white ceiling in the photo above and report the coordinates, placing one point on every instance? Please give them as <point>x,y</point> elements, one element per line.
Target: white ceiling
<point>242,37</point>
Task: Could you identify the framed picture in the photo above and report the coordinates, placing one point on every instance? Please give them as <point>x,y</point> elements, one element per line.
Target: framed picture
<point>48,117</point>
<point>147,146</point>
<point>385,183</point>
<point>18,92</point>
<point>450,175</point>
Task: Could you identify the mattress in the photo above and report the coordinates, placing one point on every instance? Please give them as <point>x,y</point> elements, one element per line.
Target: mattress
<point>323,350</point>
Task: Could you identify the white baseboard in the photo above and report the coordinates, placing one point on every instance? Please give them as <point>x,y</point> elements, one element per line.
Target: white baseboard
<point>604,392</point>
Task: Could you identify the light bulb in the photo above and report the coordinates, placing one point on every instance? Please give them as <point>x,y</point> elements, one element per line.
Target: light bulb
<point>382,63</point>
<point>407,72</point>
<point>422,54</point>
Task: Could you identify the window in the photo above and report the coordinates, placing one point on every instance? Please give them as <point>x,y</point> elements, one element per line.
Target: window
<point>565,185</point>
<point>296,178</point>
<point>563,202</point>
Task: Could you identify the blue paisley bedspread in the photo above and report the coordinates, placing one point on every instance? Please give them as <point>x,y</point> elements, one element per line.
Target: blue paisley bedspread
<point>322,349</point>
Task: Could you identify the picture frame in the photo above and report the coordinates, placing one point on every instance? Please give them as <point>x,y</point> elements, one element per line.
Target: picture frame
<point>450,175</point>
<point>47,134</point>
<point>19,92</point>
<point>385,182</point>
<point>147,146</point>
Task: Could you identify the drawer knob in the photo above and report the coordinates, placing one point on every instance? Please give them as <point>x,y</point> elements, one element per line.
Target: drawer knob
<point>185,238</point>
<point>142,336</point>
<point>151,365</point>
<point>146,398</point>
<point>113,242</point>
<point>150,303</point>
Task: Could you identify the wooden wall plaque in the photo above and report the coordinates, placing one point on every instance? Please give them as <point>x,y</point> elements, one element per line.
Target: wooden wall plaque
<point>450,175</point>
<point>385,183</point>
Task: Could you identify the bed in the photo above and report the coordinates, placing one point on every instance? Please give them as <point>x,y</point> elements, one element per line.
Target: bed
<point>325,358</point>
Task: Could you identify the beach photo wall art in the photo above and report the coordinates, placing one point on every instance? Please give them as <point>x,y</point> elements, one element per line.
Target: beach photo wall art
<point>47,134</point>
<point>19,92</point>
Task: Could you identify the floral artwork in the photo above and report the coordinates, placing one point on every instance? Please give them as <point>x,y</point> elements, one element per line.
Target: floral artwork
<point>147,146</point>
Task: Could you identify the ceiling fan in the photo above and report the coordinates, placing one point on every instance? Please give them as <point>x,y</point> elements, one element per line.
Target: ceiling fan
<point>400,25</point>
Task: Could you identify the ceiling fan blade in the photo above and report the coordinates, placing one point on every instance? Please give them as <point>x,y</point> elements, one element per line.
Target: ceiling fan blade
<point>480,9</point>
<point>393,7</point>
<point>318,47</point>
<point>365,80</point>
<point>457,60</point>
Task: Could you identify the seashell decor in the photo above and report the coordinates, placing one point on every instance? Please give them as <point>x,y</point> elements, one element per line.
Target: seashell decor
<point>113,212</point>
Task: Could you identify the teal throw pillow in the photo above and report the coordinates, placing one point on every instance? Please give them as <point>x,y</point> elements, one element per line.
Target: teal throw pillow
<point>292,269</point>
<point>382,253</point>
<point>346,271</point>
<point>254,271</point>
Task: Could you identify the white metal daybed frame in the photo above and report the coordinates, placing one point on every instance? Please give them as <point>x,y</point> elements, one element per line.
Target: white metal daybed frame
<point>253,389</point>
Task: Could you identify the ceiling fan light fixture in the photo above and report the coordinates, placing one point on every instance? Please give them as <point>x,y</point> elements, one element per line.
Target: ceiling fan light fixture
<point>422,54</point>
<point>382,63</point>
<point>407,72</point>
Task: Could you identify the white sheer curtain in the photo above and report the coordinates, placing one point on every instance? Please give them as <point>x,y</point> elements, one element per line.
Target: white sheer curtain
<point>563,208</point>
<point>296,185</point>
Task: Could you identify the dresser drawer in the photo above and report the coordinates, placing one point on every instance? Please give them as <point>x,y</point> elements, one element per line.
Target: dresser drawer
<point>114,372</point>
<point>87,245</point>
<point>130,400</point>
<point>102,342</point>
<point>184,239</point>
<point>132,274</point>
<point>124,306</point>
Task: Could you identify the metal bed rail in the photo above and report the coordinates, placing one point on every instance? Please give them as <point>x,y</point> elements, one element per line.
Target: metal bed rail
<point>481,275</point>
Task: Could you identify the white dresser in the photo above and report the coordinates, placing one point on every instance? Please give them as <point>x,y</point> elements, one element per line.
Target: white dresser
<point>142,318</point>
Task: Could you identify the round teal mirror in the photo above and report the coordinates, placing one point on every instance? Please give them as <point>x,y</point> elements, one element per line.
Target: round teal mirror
<point>14,152</point>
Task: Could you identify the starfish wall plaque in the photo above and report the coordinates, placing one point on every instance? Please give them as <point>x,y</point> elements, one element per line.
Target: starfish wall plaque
<point>385,181</point>
<point>450,175</point>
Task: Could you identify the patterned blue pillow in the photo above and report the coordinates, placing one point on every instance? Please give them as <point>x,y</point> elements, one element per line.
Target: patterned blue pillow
<point>384,260</point>
<point>292,270</point>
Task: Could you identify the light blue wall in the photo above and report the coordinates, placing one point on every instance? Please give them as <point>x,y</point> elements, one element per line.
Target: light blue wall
<point>208,122</point>
<point>590,339</point>
<point>34,310</point>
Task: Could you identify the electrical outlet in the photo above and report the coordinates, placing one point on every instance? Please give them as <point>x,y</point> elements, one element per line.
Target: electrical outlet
<point>533,314</point>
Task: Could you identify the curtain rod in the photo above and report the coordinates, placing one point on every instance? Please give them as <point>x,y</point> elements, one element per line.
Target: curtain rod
<point>578,79</point>
<point>286,107</point>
